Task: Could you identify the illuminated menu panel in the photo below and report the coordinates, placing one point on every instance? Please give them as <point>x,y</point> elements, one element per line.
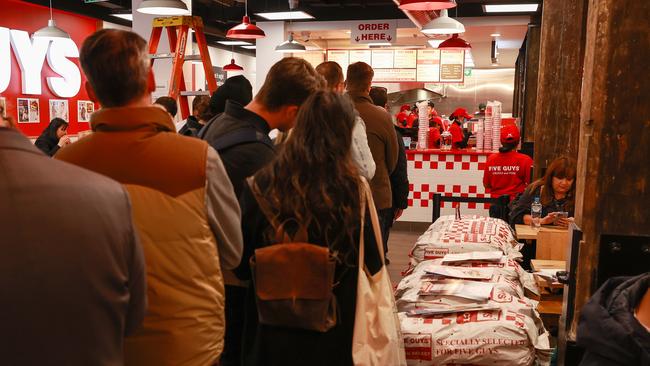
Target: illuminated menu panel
<point>405,59</point>
<point>314,58</point>
<point>428,65</point>
<point>395,75</point>
<point>382,59</point>
<point>451,65</point>
<point>341,57</point>
<point>361,56</point>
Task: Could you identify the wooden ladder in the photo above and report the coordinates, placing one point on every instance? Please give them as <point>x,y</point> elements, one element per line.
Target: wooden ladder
<point>178,32</point>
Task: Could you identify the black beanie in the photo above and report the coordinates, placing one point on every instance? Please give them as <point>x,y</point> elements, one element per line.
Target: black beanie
<point>236,88</point>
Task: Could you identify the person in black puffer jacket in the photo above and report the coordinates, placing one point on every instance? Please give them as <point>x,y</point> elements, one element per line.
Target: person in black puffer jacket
<point>614,326</point>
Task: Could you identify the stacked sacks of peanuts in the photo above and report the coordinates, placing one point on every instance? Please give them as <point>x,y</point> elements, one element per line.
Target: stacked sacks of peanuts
<point>463,300</point>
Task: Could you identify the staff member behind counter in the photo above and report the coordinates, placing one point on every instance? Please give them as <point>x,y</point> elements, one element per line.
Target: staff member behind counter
<point>458,137</point>
<point>507,172</point>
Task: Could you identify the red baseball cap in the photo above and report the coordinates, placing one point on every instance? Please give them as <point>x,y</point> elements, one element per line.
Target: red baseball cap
<point>405,107</point>
<point>461,112</point>
<point>509,134</point>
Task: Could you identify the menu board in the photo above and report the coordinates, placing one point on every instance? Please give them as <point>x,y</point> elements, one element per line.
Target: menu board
<point>395,75</point>
<point>341,57</point>
<point>405,59</point>
<point>428,65</point>
<point>382,59</point>
<point>424,65</point>
<point>314,58</point>
<point>361,56</point>
<point>451,65</point>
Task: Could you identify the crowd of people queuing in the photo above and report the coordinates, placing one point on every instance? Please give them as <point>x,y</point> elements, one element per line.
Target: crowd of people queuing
<point>146,236</point>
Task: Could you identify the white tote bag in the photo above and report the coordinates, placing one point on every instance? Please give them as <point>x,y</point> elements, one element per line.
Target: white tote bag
<point>377,339</point>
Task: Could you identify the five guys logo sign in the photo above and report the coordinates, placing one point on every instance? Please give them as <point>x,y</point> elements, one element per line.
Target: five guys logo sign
<point>374,32</point>
<point>31,55</point>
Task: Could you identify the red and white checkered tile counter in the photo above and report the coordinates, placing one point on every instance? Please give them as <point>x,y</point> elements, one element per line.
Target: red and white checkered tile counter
<point>456,172</point>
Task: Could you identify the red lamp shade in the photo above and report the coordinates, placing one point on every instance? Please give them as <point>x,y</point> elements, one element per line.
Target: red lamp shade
<point>232,66</point>
<point>426,4</point>
<point>245,30</point>
<point>455,43</point>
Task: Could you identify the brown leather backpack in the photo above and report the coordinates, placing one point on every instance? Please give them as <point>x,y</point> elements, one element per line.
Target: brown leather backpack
<point>293,279</point>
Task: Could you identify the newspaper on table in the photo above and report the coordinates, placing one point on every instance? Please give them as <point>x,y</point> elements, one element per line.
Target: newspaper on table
<point>461,272</point>
<point>490,337</point>
<point>495,256</point>
<point>472,290</point>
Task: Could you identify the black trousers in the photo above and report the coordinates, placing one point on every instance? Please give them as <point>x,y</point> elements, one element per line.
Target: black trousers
<point>235,313</point>
<point>386,217</point>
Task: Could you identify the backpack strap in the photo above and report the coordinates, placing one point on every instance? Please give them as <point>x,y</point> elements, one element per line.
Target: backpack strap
<point>240,136</point>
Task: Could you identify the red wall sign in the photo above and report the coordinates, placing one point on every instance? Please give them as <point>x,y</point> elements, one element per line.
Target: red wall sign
<point>18,17</point>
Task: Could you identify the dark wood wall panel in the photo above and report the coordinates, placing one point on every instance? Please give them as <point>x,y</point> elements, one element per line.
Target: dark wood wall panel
<point>557,108</point>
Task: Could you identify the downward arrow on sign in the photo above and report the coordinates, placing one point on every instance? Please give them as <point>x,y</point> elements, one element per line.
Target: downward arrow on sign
<point>389,38</point>
<point>357,39</point>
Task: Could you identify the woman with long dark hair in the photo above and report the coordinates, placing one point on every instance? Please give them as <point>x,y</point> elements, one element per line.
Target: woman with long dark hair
<point>53,137</point>
<point>556,192</point>
<point>312,182</point>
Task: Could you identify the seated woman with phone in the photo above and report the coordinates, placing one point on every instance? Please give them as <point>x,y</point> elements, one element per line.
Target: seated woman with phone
<point>556,192</point>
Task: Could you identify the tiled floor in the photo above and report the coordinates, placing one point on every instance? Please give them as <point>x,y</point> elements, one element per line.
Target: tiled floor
<point>400,244</point>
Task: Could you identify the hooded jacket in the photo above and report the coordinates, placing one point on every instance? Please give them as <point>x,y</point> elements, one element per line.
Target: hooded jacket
<point>608,329</point>
<point>187,216</point>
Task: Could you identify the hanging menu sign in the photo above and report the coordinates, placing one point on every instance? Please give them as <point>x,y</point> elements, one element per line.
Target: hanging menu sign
<point>395,75</point>
<point>361,56</point>
<point>405,59</point>
<point>428,66</point>
<point>374,32</point>
<point>451,65</point>
<point>382,59</point>
<point>341,57</point>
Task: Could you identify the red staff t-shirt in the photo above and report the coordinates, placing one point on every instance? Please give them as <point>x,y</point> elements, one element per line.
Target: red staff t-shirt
<point>456,134</point>
<point>507,173</point>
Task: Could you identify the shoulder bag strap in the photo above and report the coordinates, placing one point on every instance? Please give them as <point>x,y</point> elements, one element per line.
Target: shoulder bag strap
<point>367,202</point>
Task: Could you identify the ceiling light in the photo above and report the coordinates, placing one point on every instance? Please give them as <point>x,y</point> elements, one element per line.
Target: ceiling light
<point>435,42</point>
<point>51,31</point>
<point>250,47</point>
<point>285,15</point>
<point>290,46</point>
<point>510,8</point>
<point>163,7</point>
<point>234,43</point>
<point>426,4</point>
<point>455,43</point>
<point>495,35</point>
<point>443,25</point>
<point>232,66</point>
<point>126,16</point>
<point>245,30</point>
<point>380,44</point>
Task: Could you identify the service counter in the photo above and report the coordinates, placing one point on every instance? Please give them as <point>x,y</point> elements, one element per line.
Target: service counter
<point>455,172</point>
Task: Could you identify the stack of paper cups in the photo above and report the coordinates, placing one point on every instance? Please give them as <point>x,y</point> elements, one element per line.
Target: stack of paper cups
<point>480,134</point>
<point>423,130</point>
<point>496,126</point>
<point>487,142</point>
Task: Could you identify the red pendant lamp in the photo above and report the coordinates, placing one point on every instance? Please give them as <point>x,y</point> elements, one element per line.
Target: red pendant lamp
<point>232,66</point>
<point>455,43</point>
<point>426,4</point>
<point>245,30</point>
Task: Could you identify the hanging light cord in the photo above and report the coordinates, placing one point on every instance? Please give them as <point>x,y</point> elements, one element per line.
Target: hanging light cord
<point>51,16</point>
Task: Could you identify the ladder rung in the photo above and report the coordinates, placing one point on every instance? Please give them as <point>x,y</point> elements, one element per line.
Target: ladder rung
<point>171,55</point>
<point>194,93</point>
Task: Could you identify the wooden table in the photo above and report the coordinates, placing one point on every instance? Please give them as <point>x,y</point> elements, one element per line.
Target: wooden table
<point>550,301</point>
<point>527,232</point>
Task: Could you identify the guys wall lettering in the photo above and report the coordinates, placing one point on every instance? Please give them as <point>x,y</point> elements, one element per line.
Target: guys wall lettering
<point>31,55</point>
